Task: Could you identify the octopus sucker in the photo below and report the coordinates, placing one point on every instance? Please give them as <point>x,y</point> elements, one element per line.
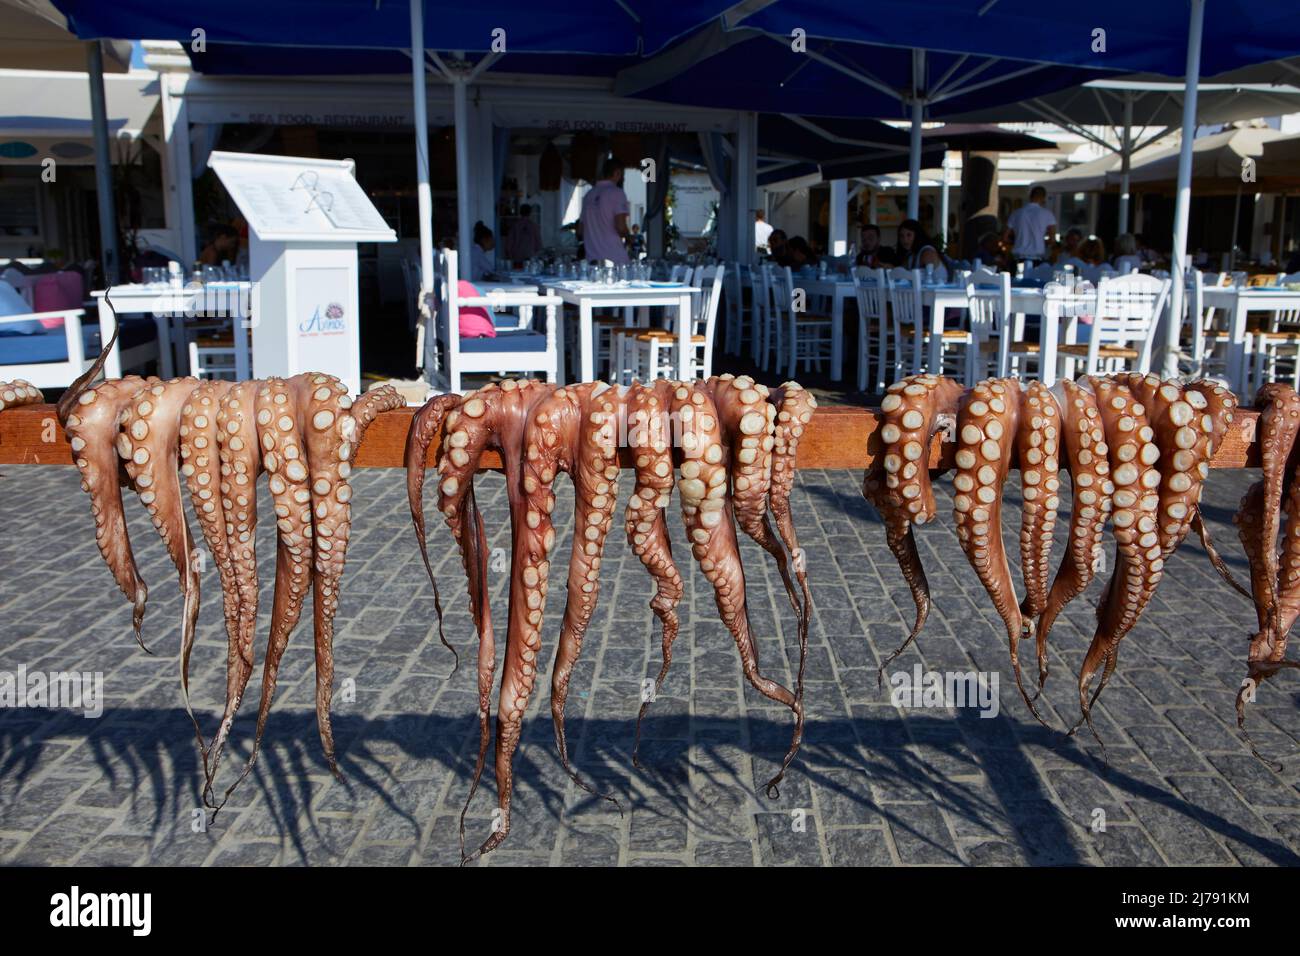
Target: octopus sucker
<point>650,440</point>
<point>897,482</point>
<point>19,392</point>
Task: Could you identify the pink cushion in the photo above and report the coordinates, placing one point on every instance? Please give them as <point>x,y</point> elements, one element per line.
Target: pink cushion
<point>57,292</point>
<point>475,323</point>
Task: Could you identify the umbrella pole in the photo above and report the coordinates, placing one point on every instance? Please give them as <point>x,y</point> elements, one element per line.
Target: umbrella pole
<point>914,155</point>
<point>423,195</point>
<point>1236,219</point>
<point>1184,195</point>
<point>943,206</point>
<point>465,232</point>
<point>1125,160</point>
<point>103,166</point>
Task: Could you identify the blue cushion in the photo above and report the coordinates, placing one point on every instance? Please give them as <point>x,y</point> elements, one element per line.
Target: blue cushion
<point>52,344</point>
<point>507,340</point>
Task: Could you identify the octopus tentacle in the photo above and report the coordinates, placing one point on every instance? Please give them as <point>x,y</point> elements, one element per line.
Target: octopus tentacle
<point>711,529</point>
<point>19,392</point>
<point>329,429</point>
<point>239,422</point>
<point>573,431</point>
<point>1039,447</point>
<point>1140,559</point>
<point>794,410</point>
<point>149,444</point>
<point>988,421</point>
<point>645,523</point>
<point>898,481</point>
<point>1278,426</point>
<point>1091,489</point>
<point>493,417</point>
<point>91,420</point>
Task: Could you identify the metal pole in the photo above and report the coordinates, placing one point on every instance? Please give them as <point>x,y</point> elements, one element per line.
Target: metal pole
<point>838,221</point>
<point>1236,219</point>
<point>1125,160</point>
<point>465,230</point>
<point>943,204</point>
<point>914,155</point>
<point>424,197</point>
<point>103,166</point>
<point>1173,327</point>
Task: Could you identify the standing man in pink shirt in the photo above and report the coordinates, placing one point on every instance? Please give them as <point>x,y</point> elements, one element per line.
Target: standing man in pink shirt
<point>603,226</point>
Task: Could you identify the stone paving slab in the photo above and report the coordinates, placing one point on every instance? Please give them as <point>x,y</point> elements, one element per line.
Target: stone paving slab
<point>875,783</point>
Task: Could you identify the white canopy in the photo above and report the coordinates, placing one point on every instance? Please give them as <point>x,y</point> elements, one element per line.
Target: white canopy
<point>50,113</point>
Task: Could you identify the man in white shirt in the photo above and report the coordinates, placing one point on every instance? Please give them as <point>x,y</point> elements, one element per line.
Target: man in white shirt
<point>604,217</point>
<point>1028,226</point>
<point>762,230</point>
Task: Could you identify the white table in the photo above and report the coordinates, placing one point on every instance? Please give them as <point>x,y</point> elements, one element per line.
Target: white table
<point>163,303</point>
<point>624,295</point>
<point>1237,302</point>
<point>839,289</point>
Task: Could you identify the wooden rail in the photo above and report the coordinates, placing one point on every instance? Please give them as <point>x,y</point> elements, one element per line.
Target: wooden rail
<point>837,437</point>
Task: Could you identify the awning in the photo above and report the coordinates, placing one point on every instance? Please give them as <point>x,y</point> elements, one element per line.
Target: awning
<point>33,37</point>
<point>48,114</point>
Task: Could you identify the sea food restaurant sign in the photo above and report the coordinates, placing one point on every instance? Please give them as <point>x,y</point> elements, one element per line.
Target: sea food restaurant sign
<point>305,218</point>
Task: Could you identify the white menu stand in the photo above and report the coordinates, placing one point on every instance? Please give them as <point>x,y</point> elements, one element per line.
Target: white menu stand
<point>305,218</point>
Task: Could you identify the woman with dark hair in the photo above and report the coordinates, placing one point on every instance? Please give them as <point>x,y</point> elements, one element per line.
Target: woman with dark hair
<point>798,253</point>
<point>481,262</point>
<point>916,251</point>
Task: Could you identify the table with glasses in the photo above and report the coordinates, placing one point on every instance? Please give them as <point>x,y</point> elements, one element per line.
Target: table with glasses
<point>587,296</point>
<point>224,300</point>
<point>1237,302</point>
<point>1024,301</point>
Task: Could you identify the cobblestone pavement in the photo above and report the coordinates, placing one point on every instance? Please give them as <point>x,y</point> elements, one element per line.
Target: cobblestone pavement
<point>874,783</point>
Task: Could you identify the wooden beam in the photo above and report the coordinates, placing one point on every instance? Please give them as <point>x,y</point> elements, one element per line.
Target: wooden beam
<point>835,438</point>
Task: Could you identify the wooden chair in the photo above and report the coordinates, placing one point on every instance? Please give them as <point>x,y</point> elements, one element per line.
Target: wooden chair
<point>654,351</point>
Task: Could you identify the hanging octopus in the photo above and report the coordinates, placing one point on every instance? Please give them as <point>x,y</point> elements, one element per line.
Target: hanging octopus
<point>303,432</point>
<point>736,444</point>
<point>1274,585</point>
<point>18,392</point>
<point>1137,449</point>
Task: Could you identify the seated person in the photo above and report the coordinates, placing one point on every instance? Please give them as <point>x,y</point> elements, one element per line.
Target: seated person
<point>222,247</point>
<point>1126,254</point>
<point>481,259</point>
<point>1093,251</point>
<point>798,254</point>
<point>873,254</point>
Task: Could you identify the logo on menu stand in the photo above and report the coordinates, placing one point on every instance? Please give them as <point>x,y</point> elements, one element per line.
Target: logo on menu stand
<point>326,321</point>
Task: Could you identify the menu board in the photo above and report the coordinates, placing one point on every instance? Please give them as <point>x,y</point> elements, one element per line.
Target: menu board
<point>287,198</point>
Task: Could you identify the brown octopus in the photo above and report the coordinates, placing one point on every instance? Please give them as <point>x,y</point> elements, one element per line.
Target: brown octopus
<point>1137,450</point>
<point>303,432</point>
<point>1274,585</point>
<point>734,445</point>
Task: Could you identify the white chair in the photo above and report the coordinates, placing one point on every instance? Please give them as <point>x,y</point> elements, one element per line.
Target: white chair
<point>906,321</point>
<point>1202,328</point>
<point>518,345</point>
<point>769,335</point>
<point>869,288</point>
<point>989,352</point>
<point>739,324</point>
<point>52,358</point>
<point>652,353</point>
<point>1126,314</point>
<point>808,333</point>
